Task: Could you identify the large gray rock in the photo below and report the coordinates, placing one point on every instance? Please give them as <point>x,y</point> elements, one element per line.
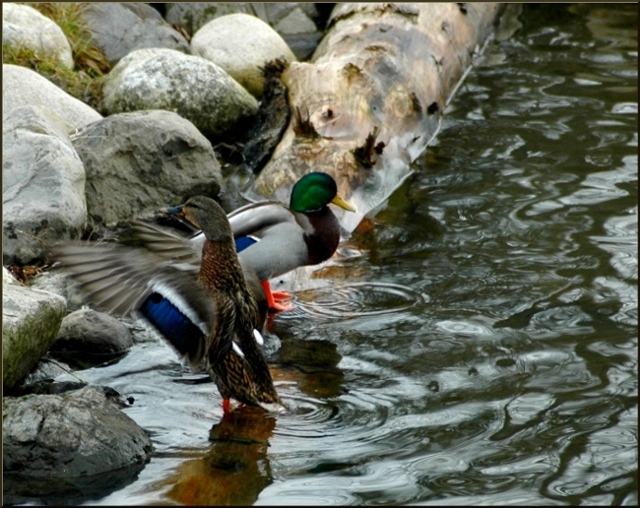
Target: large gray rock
<point>42,185</point>
<point>300,24</point>
<point>76,434</point>
<point>139,162</point>
<point>118,28</point>
<point>193,87</point>
<point>30,323</point>
<point>24,87</point>
<point>24,26</point>
<point>241,45</point>
<point>87,337</point>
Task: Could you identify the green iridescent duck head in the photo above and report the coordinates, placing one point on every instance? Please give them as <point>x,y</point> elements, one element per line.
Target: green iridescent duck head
<point>314,191</point>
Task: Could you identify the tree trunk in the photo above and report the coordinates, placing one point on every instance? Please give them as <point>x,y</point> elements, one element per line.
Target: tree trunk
<point>373,97</point>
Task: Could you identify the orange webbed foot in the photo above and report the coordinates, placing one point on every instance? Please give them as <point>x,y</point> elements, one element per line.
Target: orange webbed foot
<point>277,300</point>
<point>281,306</point>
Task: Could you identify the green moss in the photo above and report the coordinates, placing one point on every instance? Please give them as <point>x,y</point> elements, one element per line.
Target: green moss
<point>84,81</point>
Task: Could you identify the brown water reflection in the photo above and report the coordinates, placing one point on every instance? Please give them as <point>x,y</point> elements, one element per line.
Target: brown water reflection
<point>236,467</point>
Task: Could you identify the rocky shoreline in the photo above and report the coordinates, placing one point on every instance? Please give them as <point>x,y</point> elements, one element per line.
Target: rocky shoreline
<point>184,77</point>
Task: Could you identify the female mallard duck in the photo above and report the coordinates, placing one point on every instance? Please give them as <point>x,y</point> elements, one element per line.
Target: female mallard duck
<point>207,314</point>
<point>271,238</point>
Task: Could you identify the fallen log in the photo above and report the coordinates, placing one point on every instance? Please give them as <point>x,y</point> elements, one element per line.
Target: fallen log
<point>373,96</point>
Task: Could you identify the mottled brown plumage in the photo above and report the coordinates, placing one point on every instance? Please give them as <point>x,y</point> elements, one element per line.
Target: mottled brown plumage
<point>245,379</point>
<point>208,313</point>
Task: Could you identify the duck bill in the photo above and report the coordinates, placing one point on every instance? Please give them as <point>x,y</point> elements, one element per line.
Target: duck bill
<point>338,201</point>
<point>178,213</point>
<point>175,210</point>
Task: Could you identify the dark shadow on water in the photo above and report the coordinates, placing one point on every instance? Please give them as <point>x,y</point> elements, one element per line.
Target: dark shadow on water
<point>18,489</point>
<point>313,366</point>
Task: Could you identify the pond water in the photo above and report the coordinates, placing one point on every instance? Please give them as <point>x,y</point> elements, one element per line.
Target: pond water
<point>477,344</point>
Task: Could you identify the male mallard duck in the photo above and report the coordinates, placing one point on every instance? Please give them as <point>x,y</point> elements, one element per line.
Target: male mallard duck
<point>271,238</point>
<point>206,313</point>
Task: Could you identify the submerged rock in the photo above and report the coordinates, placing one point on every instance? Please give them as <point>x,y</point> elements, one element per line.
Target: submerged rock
<point>88,337</point>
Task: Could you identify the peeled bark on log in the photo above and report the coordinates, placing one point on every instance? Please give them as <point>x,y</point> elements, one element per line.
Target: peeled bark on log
<point>373,97</point>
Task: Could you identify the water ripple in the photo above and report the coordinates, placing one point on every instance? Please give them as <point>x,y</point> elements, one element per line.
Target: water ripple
<point>307,492</point>
<point>359,299</point>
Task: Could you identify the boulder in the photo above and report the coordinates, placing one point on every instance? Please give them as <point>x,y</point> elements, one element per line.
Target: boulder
<point>241,44</point>
<point>193,87</point>
<point>300,24</point>
<point>87,337</point>
<point>24,87</point>
<point>30,323</point>
<point>118,28</point>
<point>76,434</point>
<point>139,162</point>
<point>42,185</point>
<point>7,277</point>
<point>24,26</point>
<point>293,19</point>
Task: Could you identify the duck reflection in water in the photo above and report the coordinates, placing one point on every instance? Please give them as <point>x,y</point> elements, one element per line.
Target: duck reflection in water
<point>236,467</point>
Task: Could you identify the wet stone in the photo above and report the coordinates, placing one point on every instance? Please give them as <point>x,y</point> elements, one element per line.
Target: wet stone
<point>88,338</point>
<point>75,434</point>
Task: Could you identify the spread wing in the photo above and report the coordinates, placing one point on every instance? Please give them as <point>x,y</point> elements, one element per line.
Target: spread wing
<point>133,282</point>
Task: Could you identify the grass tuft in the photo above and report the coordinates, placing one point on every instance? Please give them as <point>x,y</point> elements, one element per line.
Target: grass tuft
<point>84,81</point>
